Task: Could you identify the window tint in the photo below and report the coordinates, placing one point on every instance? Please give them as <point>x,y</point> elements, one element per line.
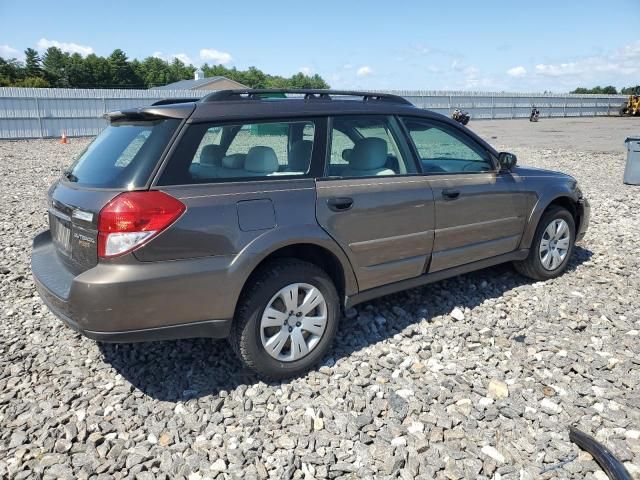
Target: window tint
<point>123,155</point>
<point>363,146</point>
<point>442,149</point>
<point>214,153</point>
<point>341,148</point>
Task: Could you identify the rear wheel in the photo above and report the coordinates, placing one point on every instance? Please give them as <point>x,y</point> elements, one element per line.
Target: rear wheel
<point>551,247</point>
<point>287,319</point>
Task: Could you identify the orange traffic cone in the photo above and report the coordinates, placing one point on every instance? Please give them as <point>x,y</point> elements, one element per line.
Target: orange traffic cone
<point>64,138</point>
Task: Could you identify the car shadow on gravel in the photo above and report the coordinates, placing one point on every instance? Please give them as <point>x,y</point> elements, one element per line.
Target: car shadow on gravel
<point>185,369</point>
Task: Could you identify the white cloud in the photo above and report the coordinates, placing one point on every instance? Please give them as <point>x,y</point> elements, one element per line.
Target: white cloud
<point>183,57</point>
<point>559,69</point>
<point>216,56</point>
<point>8,52</point>
<point>517,72</point>
<point>623,61</point>
<point>364,71</point>
<point>83,50</point>
<point>305,70</point>
<point>630,52</point>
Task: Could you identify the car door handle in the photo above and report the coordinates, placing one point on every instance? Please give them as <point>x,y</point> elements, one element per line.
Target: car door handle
<point>340,204</point>
<point>451,194</point>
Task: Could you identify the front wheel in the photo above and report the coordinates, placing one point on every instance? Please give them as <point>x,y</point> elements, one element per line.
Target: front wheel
<point>286,320</point>
<point>551,247</point>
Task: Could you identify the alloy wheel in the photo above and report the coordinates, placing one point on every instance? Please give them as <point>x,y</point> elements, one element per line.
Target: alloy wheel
<point>293,322</point>
<point>554,244</point>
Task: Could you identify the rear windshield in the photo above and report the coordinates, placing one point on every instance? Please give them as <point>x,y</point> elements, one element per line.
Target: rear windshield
<point>123,155</point>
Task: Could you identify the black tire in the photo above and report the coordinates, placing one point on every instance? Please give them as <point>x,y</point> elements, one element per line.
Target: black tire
<point>245,333</point>
<point>623,111</point>
<point>532,266</point>
<point>465,120</point>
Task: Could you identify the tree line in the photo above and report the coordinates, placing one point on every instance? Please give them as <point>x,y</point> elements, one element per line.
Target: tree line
<point>55,68</point>
<point>608,90</point>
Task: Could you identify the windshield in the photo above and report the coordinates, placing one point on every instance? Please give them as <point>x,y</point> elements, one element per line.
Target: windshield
<point>123,155</point>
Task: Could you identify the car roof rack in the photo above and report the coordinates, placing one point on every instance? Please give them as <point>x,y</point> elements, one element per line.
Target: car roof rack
<point>306,93</point>
<point>170,101</point>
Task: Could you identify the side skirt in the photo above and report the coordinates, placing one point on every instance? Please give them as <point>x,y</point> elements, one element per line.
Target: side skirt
<point>427,278</point>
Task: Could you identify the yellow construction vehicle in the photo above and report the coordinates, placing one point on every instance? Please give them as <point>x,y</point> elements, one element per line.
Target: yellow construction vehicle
<point>632,107</point>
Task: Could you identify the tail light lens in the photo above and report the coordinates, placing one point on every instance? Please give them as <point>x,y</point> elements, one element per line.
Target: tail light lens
<point>133,218</point>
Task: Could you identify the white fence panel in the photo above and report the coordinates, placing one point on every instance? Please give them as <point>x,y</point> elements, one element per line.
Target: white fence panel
<point>48,112</point>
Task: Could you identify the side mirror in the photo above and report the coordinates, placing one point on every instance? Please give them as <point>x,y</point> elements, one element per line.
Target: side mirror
<point>507,160</point>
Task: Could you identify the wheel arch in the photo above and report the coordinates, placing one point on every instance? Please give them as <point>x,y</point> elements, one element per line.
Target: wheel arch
<point>314,247</point>
<point>563,199</point>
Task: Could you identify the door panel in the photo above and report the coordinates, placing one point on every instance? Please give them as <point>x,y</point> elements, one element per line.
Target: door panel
<point>480,212</point>
<point>387,232</point>
<point>486,219</point>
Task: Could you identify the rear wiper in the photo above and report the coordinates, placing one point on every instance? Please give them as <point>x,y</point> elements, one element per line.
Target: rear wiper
<point>70,176</point>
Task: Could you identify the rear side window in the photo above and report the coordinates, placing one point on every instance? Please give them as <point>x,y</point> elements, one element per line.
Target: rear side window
<point>367,145</point>
<point>123,155</point>
<point>213,153</point>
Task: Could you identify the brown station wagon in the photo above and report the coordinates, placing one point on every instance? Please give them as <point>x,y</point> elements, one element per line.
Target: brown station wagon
<point>259,214</point>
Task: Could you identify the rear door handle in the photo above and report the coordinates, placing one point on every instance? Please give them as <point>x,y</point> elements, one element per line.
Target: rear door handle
<point>446,193</point>
<point>340,204</point>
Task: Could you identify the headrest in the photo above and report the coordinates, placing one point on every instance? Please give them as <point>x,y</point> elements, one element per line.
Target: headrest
<point>368,154</point>
<point>211,155</point>
<point>235,160</point>
<point>300,155</point>
<point>261,160</point>
<point>346,154</point>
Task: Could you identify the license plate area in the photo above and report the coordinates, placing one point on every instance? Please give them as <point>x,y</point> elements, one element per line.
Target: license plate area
<point>60,233</point>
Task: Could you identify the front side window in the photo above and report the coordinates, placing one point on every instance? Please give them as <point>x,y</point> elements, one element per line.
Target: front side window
<point>367,145</point>
<point>211,153</point>
<point>442,149</point>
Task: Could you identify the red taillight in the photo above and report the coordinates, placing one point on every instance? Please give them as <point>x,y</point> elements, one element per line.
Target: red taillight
<point>133,218</point>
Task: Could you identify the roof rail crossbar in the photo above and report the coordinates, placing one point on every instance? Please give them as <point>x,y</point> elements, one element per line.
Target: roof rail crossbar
<point>169,101</point>
<point>306,93</point>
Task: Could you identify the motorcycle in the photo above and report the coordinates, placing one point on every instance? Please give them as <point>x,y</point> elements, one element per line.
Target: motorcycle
<point>460,116</point>
<point>535,114</point>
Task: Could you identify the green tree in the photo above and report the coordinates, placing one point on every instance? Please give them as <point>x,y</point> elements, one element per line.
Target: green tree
<point>122,75</point>
<point>59,69</point>
<point>11,70</point>
<point>98,71</point>
<point>54,64</point>
<point>631,90</point>
<point>608,90</point>
<point>77,72</point>
<point>255,78</point>
<point>179,71</point>
<point>33,65</point>
<point>32,82</point>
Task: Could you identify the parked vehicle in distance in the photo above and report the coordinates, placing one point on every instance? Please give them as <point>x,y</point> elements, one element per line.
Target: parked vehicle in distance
<point>258,218</point>
<point>535,114</point>
<point>460,116</point>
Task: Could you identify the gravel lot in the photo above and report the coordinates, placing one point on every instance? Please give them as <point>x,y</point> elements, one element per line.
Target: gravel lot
<point>474,377</point>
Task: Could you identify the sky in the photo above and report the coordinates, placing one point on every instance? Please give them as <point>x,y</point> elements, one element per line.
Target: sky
<point>495,45</point>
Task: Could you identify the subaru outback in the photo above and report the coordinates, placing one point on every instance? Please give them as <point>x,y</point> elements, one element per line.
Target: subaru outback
<point>259,215</point>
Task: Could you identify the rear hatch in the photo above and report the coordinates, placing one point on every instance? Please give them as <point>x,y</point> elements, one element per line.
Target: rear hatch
<point>122,158</point>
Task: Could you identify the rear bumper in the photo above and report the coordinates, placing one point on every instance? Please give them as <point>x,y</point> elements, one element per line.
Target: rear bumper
<point>134,303</point>
<point>584,212</point>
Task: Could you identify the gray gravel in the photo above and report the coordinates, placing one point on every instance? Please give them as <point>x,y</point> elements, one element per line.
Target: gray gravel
<point>474,377</point>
